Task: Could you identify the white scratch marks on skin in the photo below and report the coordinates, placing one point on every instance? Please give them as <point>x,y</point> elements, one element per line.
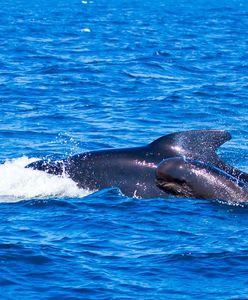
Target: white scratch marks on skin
<point>145,164</point>
<point>142,185</point>
<point>179,150</point>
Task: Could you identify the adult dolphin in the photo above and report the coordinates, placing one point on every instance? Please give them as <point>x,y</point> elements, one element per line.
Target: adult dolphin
<point>195,179</point>
<point>133,169</point>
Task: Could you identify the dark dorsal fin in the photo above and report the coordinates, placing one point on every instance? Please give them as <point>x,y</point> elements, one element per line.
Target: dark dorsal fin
<point>196,144</point>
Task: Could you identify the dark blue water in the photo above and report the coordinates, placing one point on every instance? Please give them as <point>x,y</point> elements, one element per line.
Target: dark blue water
<point>85,75</point>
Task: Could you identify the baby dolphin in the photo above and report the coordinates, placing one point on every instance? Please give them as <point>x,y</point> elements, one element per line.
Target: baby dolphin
<point>194,179</point>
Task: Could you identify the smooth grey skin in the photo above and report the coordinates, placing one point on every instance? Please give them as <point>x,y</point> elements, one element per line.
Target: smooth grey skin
<point>133,169</point>
<point>194,179</point>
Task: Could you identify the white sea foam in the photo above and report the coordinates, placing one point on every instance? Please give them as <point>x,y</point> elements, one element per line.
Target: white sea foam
<point>19,183</point>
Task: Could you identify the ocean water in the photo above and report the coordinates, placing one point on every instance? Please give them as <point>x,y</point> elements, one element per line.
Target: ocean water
<point>86,75</point>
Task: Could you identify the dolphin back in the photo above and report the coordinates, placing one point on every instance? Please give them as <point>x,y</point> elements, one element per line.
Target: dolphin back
<point>195,144</point>
<point>198,145</point>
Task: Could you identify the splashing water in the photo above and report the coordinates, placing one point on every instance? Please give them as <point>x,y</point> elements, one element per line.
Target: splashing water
<point>19,183</point>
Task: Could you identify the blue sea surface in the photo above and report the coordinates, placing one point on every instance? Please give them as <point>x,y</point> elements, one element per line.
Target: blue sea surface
<point>86,75</point>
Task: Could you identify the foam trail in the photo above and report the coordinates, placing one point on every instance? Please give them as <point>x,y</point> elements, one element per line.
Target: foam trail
<point>19,183</point>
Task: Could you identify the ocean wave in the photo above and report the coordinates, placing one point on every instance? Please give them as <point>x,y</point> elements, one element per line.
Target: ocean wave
<point>19,183</point>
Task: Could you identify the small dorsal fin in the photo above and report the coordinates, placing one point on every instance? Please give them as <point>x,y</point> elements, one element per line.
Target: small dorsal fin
<point>196,144</point>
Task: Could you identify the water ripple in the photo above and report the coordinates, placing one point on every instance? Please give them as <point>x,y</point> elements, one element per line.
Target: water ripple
<point>86,75</point>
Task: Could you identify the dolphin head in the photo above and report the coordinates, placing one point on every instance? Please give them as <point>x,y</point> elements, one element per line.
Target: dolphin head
<point>173,176</point>
<point>195,179</point>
